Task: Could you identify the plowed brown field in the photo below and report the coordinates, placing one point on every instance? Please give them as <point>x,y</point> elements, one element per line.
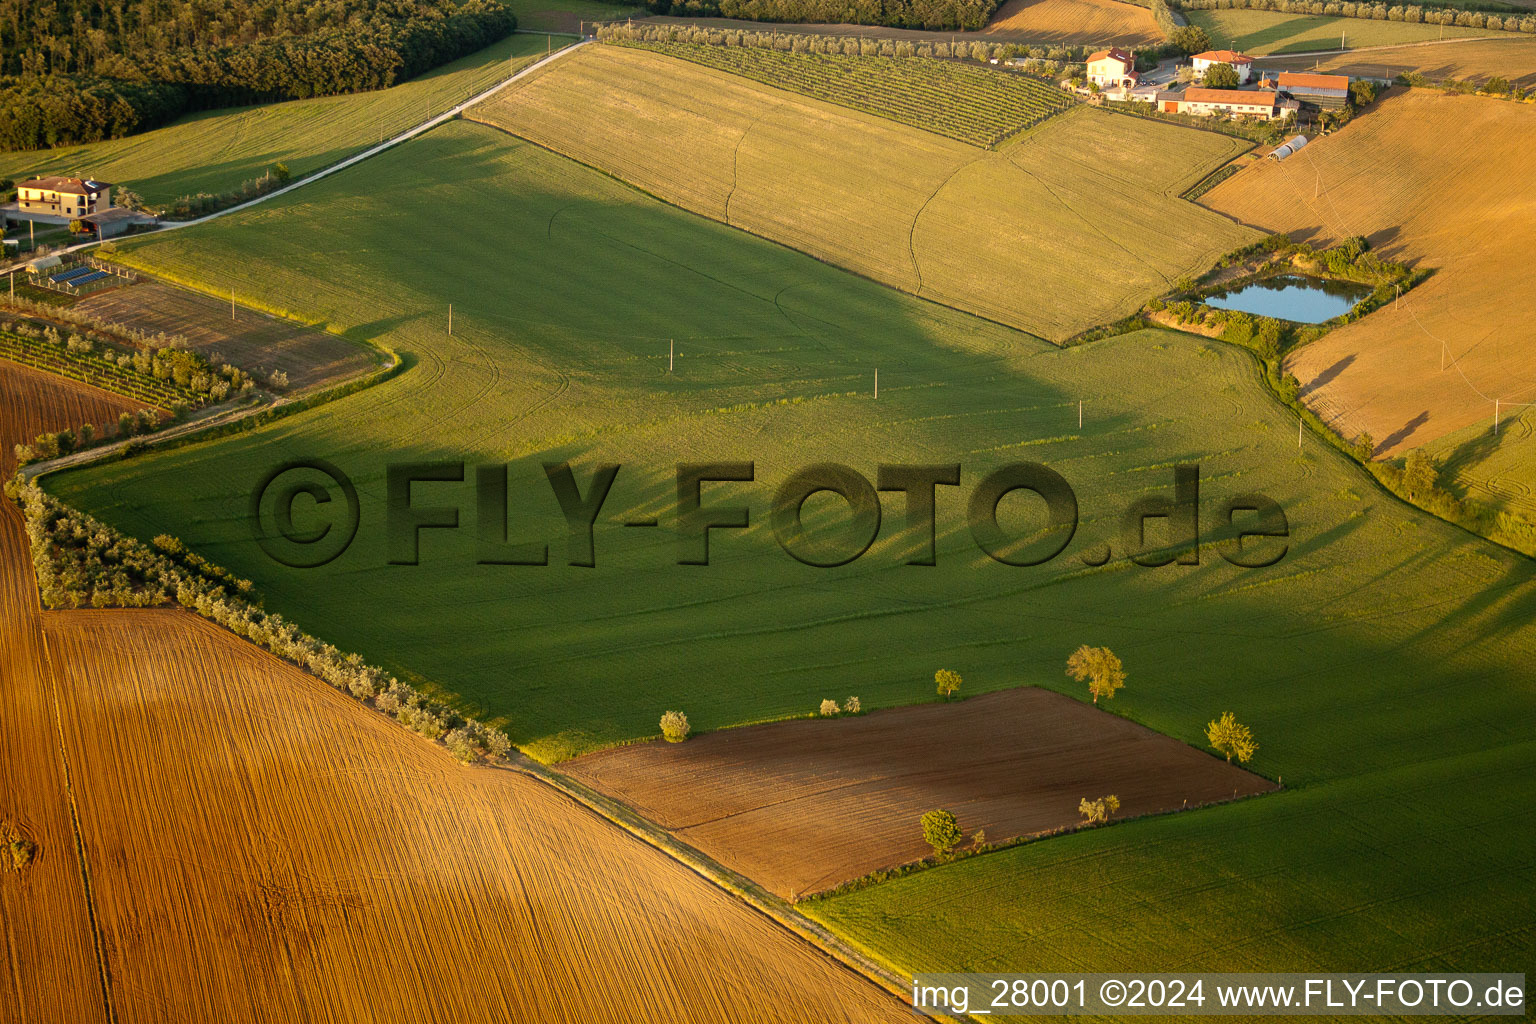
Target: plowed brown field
<point>1097,21</point>
<point>251,340</point>
<point>1428,178</point>
<point>262,848</point>
<point>801,806</point>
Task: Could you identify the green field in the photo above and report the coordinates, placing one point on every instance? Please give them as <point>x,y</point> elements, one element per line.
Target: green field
<point>1383,664</point>
<point>1273,32</point>
<point>1497,472</point>
<point>216,150</point>
<point>1074,223</point>
<point>962,101</point>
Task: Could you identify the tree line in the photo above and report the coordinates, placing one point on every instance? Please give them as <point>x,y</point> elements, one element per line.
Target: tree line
<point>77,71</point>
<point>1048,60</point>
<point>1412,13</point>
<point>948,15</point>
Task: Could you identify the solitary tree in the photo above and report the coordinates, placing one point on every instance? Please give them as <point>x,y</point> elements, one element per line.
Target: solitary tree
<point>948,682</point>
<point>1190,39</point>
<point>1420,474</point>
<point>1221,76</point>
<point>829,708</point>
<point>674,726</point>
<point>941,831</point>
<point>1231,738</point>
<point>1099,668</point>
<point>77,227</point>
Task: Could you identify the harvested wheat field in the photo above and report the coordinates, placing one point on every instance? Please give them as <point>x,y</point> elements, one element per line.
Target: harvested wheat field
<point>801,806</point>
<point>252,340</point>
<point>1074,21</point>
<point>1509,56</point>
<point>45,935</point>
<point>1072,224</point>
<point>261,847</point>
<point>1461,339</point>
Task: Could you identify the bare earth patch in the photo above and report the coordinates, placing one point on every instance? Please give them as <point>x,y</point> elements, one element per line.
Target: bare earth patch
<point>801,806</point>
<point>252,340</point>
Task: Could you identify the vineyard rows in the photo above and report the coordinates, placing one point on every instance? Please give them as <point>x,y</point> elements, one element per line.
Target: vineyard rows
<point>969,104</point>
<point>93,370</point>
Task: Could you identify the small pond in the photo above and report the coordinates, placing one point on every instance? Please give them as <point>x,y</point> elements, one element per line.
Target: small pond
<point>1307,300</point>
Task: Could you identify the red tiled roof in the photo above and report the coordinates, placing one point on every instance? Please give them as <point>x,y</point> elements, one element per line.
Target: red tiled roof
<point>72,186</point>
<point>1245,97</point>
<point>1223,57</point>
<point>1309,81</point>
<point>1115,53</point>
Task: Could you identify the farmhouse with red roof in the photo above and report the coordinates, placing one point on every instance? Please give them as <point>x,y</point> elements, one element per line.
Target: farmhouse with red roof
<point>1113,68</point>
<point>1241,63</point>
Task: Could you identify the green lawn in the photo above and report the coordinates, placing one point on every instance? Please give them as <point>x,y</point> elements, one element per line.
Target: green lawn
<point>1272,32</point>
<point>216,150</point>
<point>1384,664</point>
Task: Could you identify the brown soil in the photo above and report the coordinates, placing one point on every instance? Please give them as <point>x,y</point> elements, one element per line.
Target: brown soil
<point>801,806</point>
<point>262,848</point>
<point>1428,179</point>
<point>253,341</point>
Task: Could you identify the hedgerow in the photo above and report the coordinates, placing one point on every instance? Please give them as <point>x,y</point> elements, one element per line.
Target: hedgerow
<point>82,562</point>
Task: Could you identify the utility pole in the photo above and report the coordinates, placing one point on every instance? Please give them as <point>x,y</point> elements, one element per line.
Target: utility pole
<point>1495,417</point>
<point>450,319</point>
<point>671,353</point>
<point>877,382</point>
<point>231,303</point>
<point>1298,433</point>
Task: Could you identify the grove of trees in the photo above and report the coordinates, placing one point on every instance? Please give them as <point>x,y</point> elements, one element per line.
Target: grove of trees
<point>74,71</point>
<point>968,15</point>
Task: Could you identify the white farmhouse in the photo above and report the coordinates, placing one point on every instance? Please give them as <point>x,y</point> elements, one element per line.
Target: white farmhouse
<point>1241,63</point>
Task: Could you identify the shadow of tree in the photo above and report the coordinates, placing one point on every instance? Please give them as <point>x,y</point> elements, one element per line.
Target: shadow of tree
<point>1328,376</point>
<point>1402,433</point>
